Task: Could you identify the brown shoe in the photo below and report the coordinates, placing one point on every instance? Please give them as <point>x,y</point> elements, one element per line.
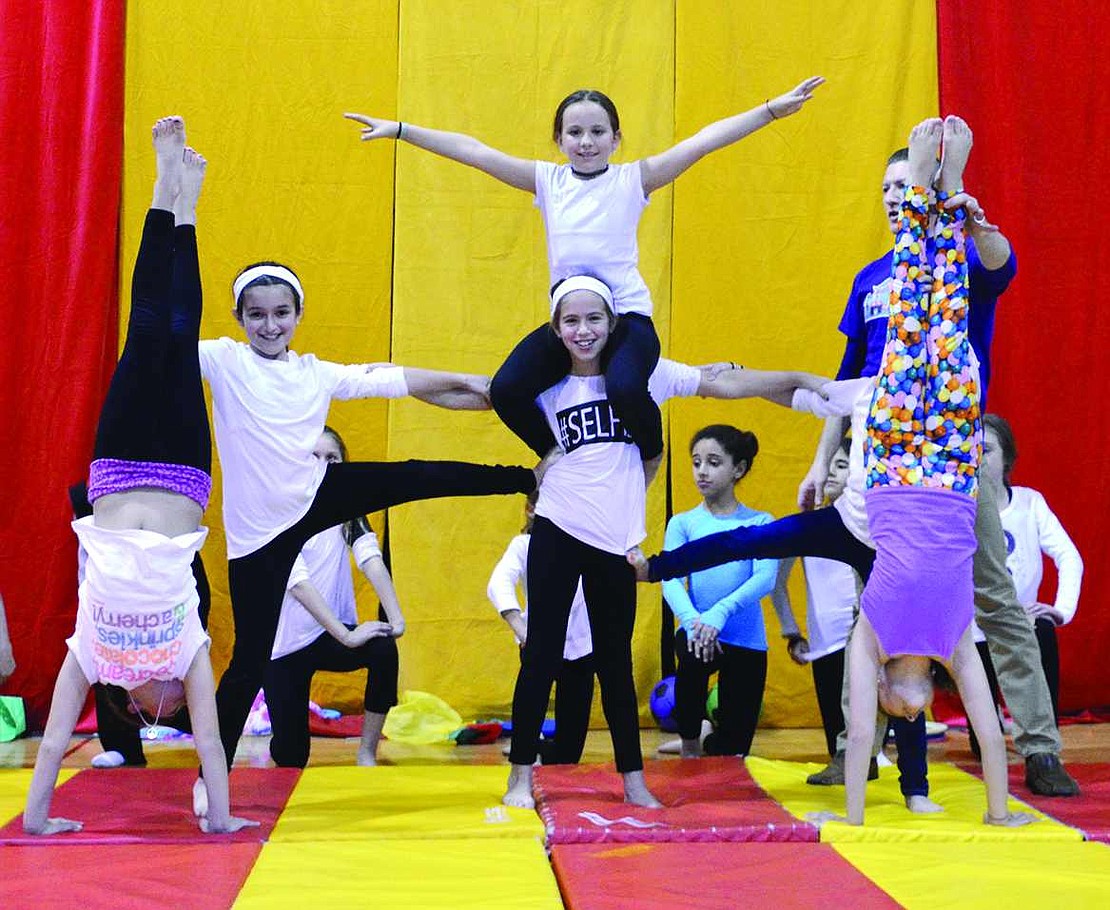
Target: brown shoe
<point>1045,776</point>
<point>832,775</point>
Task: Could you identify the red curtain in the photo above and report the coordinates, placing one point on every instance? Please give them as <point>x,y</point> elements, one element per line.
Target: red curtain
<point>1030,79</point>
<point>61,119</point>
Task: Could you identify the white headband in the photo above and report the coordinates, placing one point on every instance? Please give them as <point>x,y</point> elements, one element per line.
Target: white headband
<point>272,271</point>
<point>581,283</point>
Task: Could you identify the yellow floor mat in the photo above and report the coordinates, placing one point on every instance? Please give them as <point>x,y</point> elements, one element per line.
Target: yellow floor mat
<point>459,874</point>
<point>14,784</point>
<point>887,819</point>
<point>987,875</point>
<point>411,802</point>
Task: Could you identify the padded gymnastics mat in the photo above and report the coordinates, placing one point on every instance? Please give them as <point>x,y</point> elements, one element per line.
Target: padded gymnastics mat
<point>411,802</point>
<point>986,876</point>
<point>13,790</point>
<point>1089,812</point>
<point>886,817</point>
<point>119,877</point>
<point>704,800</point>
<point>148,805</point>
<point>710,877</point>
<point>511,874</point>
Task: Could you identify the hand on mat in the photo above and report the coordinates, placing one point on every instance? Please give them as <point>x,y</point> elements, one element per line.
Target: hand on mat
<point>363,632</point>
<point>1010,819</point>
<point>55,826</point>
<point>233,824</point>
<point>819,818</point>
<point>702,640</point>
<point>374,127</point>
<point>639,562</point>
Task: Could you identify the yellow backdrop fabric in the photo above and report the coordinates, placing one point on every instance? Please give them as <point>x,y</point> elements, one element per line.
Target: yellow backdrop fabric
<point>471,279</point>
<point>444,267</point>
<point>769,233</point>
<point>262,88</point>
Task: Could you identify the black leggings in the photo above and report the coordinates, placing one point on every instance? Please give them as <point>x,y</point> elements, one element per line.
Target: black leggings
<point>555,563</point>
<point>288,679</point>
<point>574,696</point>
<point>828,680</point>
<point>155,409</point>
<point>740,681</point>
<point>540,360</point>
<point>349,490</point>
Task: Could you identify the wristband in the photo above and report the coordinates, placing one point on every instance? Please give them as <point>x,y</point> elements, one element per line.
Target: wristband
<point>400,130</point>
<point>767,104</point>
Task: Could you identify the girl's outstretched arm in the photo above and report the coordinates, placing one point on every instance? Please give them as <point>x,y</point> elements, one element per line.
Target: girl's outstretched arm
<point>455,391</point>
<point>774,385</point>
<point>69,698</point>
<point>659,170</point>
<point>517,172</point>
<point>200,696</point>
<point>971,680</point>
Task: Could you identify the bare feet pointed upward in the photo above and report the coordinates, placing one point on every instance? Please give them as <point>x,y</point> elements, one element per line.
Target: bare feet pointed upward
<point>168,135</point>
<point>924,144</point>
<point>193,166</point>
<point>957,148</point>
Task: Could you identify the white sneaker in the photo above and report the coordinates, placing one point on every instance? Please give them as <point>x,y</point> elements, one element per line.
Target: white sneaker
<point>882,761</point>
<point>110,759</point>
<point>935,728</point>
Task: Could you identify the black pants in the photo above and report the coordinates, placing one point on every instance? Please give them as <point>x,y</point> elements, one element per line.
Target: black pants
<point>574,695</point>
<point>742,674</point>
<point>289,678</point>
<point>540,360</point>
<point>1045,630</point>
<point>828,678</point>
<point>154,410</point>
<point>555,563</point>
<point>349,490</point>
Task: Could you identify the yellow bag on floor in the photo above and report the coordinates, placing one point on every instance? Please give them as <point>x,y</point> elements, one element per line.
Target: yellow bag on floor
<point>421,718</point>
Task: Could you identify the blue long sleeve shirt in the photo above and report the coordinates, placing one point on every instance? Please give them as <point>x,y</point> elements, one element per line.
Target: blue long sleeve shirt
<point>727,596</point>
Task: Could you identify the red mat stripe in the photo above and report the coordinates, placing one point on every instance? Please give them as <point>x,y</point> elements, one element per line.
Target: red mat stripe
<point>152,806</point>
<point>680,876</point>
<point>705,800</point>
<point>1089,812</point>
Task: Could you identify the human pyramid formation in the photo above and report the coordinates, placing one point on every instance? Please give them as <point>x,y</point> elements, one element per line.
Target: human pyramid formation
<point>584,392</point>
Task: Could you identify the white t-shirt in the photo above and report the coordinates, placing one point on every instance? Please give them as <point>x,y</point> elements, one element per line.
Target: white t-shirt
<point>137,616</point>
<point>591,228</point>
<point>267,416</point>
<point>322,561</point>
<point>1031,529</point>
<point>831,597</point>
<point>595,492</point>
<point>501,590</point>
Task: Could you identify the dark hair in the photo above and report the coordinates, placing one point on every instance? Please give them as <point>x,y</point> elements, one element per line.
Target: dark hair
<point>266,281</point>
<point>741,445</point>
<point>845,447</point>
<point>334,434</point>
<point>1005,434</point>
<point>587,94</point>
<point>902,154</point>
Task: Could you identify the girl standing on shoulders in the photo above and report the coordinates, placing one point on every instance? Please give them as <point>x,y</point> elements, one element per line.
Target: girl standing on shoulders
<point>591,210</point>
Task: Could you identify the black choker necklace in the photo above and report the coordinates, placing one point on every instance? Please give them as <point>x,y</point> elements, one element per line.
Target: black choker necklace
<point>589,176</point>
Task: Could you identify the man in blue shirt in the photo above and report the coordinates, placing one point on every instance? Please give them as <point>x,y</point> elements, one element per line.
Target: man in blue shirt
<point>1010,635</point>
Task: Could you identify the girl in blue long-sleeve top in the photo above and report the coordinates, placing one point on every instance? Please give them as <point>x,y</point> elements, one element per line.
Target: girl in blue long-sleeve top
<point>721,622</point>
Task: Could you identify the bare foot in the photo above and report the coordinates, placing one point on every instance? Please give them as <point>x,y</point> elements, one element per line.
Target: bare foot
<point>651,468</point>
<point>639,562</point>
<point>922,805</point>
<point>366,759</point>
<point>691,748</point>
<point>519,790</point>
<point>168,135</point>
<point>200,798</point>
<point>193,166</point>
<point>636,792</point>
<point>924,145</point>
<point>957,148</point>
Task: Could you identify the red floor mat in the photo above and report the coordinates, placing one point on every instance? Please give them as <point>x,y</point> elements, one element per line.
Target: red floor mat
<point>1089,812</point>
<point>144,805</point>
<point>125,878</point>
<point>705,800</point>
<point>710,877</point>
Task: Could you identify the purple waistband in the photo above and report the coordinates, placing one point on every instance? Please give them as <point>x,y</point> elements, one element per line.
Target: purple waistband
<point>113,475</point>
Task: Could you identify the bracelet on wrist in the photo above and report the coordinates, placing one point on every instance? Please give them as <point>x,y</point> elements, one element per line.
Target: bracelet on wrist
<point>767,104</point>
<point>400,129</point>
